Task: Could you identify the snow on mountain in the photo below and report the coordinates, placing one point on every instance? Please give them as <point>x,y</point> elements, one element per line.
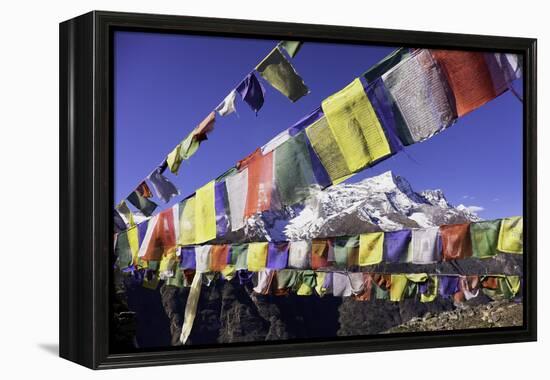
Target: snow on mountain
<point>385,202</point>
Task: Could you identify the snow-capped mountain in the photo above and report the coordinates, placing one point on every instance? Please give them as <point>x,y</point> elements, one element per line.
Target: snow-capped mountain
<point>385,202</point>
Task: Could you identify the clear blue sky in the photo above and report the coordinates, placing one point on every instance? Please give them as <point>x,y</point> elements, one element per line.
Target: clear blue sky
<point>165,84</point>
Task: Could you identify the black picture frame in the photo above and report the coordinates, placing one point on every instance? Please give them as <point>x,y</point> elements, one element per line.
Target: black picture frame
<point>86,186</point>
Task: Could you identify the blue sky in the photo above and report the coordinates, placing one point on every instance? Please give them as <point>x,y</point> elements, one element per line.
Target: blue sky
<point>166,84</point>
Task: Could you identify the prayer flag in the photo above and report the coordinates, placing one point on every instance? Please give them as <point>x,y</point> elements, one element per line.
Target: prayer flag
<point>265,279</point>
<point>291,47</point>
<point>484,237</point>
<point>346,251</point>
<point>237,192</point>
<point>280,74</point>
<point>218,257</point>
<point>456,241</point>
<point>191,307</point>
<point>123,251</point>
<point>425,245</point>
<point>398,286</point>
<point>205,213</point>
<point>163,187</point>
<point>298,256</point>
<point>202,258</point>
<point>222,209</point>
<point>355,126</point>
<point>187,258</point>
<point>325,146</point>
<point>119,223</point>
<point>468,76</point>
<point>371,248</point>
<point>422,95</point>
<point>319,253</point>
<point>396,245</point>
<point>144,190</point>
<point>239,256</point>
<point>505,68</point>
<point>187,221</point>
<point>160,236</point>
<point>126,214</point>
<point>341,285</point>
<point>227,106</point>
<point>448,285</point>
<point>307,283</point>
<point>256,256</point>
<point>510,238</point>
<point>205,127</point>
<point>260,181</point>
<point>252,92</point>
<point>277,255</point>
<point>366,293</point>
<point>294,175</point>
<point>143,204</point>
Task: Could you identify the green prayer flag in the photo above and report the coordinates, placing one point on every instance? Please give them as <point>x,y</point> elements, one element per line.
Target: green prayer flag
<point>123,250</point>
<point>484,237</point>
<point>181,152</point>
<point>346,251</point>
<point>291,47</point>
<point>239,256</point>
<point>293,170</point>
<point>276,70</point>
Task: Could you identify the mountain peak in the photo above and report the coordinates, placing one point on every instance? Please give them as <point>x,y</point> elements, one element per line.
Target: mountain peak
<point>386,202</point>
<point>436,197</point>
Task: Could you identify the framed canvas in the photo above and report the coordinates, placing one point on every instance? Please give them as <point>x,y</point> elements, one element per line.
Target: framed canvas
<point>234,189</point>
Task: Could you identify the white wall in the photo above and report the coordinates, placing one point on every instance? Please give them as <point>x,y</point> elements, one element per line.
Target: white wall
<point>29,172</point>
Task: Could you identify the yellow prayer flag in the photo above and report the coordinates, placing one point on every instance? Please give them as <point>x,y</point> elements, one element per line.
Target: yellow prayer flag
<point>355,126</point>
<point>187,222</point>
<point>205,213</point>
<point>133,241</point>
<point>510,238</point>
<point>229,272</point>
<point>168,261</point>
<point>256,256</point>
<point>324,144</point>
<point>397,287</point>
<point>304,290</point>
<point>319,287</point>
<point>371,247</point>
